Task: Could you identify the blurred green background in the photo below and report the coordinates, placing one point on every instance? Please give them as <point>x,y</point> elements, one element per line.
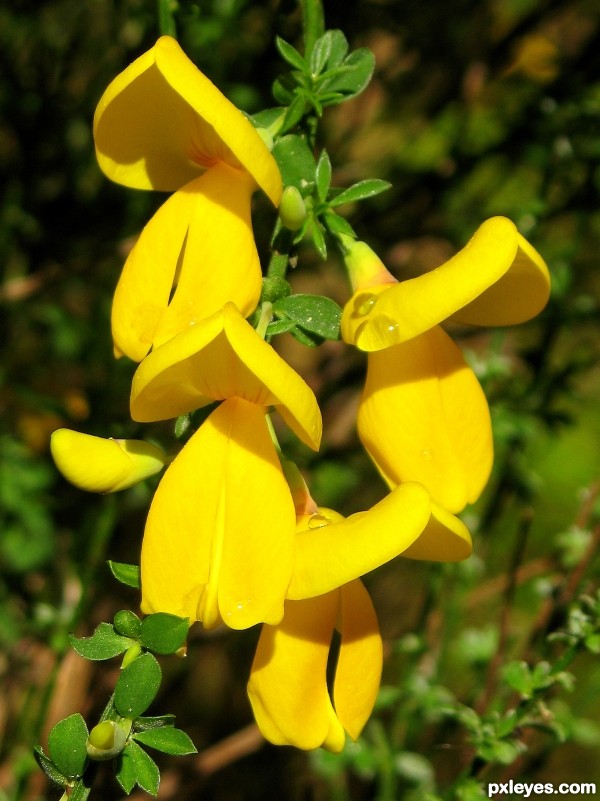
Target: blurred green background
<point>477,107</point>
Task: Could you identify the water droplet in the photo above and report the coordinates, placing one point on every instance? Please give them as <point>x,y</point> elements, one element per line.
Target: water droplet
<point>318,521</point>
<point>363,304</point>
<point>427,454</point>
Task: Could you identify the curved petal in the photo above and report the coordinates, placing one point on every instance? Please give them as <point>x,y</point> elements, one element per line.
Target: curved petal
<point>445,539</point>
<point>288,680</point>
<point>330,555</point>
<point>423,417</point>
<point>358,670</point>
<point>201,239</point>
<point>161,122</point>
<point>104,465</point>
<point>380,317</point>
<point>222,357</point>
<point>218,544</point>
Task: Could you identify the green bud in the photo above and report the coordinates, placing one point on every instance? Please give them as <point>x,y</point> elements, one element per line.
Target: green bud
<point>274,288</point>
<point>127,623</point>
<point>130,654</point>
<point>292,209</point>
<point>105,741</point>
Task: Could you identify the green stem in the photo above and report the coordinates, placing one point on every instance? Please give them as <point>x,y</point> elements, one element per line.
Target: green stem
<point>313,22</point>
<point>280,258</point>
<point>166,18</point>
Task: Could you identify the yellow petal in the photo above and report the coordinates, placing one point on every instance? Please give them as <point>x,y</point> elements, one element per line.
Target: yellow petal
<point>445,539</point>
<point>423,417</point>
<point>201,238</point>
<point>358,670</point>
<point>497,276</point>
<point>330,555</point>
<point>288,681</point>
<point>161,122</point>
<point>222,357</point>
<point>218,543</point>
<point>104,465</point>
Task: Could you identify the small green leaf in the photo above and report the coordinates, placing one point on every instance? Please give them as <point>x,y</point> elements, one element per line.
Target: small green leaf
<point>295,161</point>
<point>280,327</point>
<point>153,722</point>
<point>137,686</point>
<point>518,676</point>
<point>66,745</point>
<point>103,644</point>
<point>284,88</point>
<point>182,425</point>
<point>323,175</point>
<point>353,76</point>
<point>126,574</point>
<point>336,224</point>
<point>338,49</point>
<point>49,768</point>
<point>305,338</point>
<point>168,740</point>
<point>295,112</point>
<point>127,623</point>
<point>320,54</point>
<point>290,54</point>
<point>318,238</point>
<point>266,117</point>
<point>164,633</point>
<point>360,191</point>
<point>314,313</point>
<point>137,765</point>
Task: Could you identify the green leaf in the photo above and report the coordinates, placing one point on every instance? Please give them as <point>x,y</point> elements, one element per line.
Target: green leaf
<point>518,676</point>
<point>323,175</point>
<point>153,722</point>
<point>290,54</point>
<point>318,238</point>
<point>266,117</point>
<point>360,191</point>
<point>49,768</point>
<point>320,54</point>
<point>103,644</point>
<point>353,76</point>
<point>136,765</point>
<point>67,745</point>
<point>164,633</point>
<point>284,88</point>
<point>336,224</point>
<point>305,338</point>
<point>295,112</point>
<point>182,425</point>
<point>137,686</point>
<point>127,623</point>
<point>296,162</point>
<point>313,313</point>
<point>280,327</point>
<point>338,49</point>
<point>126,574</point>
<point>168,740</point>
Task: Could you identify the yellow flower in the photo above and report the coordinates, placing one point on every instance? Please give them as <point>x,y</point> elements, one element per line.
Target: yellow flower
<point>161,124</point>
<point>104,465</point>
<point>423,416</point>
<point>288,682</point>
<point>219,539</point>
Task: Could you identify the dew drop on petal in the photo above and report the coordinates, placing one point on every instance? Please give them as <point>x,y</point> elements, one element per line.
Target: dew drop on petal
<point>318,521</point>
<point>363,304</point>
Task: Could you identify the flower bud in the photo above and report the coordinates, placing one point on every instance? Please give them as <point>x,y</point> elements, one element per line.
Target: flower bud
<point>365,268</point>
<point>104,465</point>
<point>292,209</point>
<point>105,741</point>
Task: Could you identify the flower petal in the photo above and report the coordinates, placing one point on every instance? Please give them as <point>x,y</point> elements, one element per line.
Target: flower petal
<point>161,122</point>
<point>329,556</point>
<point>445,539</point>
<point>423,417</point>
<point>222,357</point>
<point>201,239</point>
<point>288,681</point>
<point>218,543</point>
<point>358,670</point>
<point>380,317</point>
<point>104,465</point>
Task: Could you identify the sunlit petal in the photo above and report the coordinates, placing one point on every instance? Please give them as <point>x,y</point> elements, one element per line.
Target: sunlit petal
<point>423,417</point>
<point>218,543</point>
<point>288,682</point>
<point>444,539</point>
<point>497,276</point>
<point>358,670</point>
<point>222,357</point>
<point>161,122</point>
<point>331,554</point>
<point>104,465</point>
